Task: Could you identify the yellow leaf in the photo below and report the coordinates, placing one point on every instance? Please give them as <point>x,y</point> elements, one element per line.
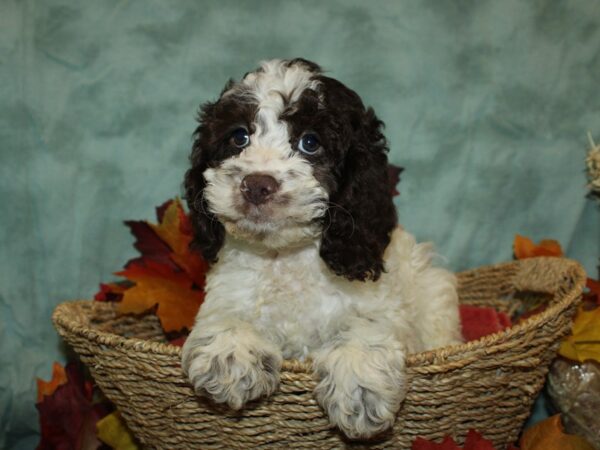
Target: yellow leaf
<point>176,231</point>
<point>169,229</point>
<point>584,342</point>
<point>113,432</point>
<point>549,435</point>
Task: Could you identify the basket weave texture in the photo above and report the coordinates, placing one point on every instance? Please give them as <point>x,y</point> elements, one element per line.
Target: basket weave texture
<point>488,385</point>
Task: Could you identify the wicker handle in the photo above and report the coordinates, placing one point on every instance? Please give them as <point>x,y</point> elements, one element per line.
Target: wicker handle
<point>77,312</point>
<point>545,275</point>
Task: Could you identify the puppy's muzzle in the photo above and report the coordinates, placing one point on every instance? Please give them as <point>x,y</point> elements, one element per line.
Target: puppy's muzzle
<point>258,188</point>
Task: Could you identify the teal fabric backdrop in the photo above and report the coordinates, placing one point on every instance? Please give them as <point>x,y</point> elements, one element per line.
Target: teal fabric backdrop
<point>487,105</point>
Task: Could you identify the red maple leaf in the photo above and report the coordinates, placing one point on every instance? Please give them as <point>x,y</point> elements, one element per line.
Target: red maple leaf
<point>479,321</point>
<point>167,275</point>
<point>68,414</point>
<point>150,246</point>
<point>473,441</point>
<point>112,292</point>
<point>593,293</point>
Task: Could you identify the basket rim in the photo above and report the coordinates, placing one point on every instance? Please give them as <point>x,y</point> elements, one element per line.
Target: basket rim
<point>62,319</point>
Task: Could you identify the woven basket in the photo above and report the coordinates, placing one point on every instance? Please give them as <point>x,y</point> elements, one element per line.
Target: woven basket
<point>488,385</point>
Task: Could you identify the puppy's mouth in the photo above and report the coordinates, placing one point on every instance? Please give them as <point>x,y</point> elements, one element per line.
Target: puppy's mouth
<point>271,223</point>
<point>266,217</point>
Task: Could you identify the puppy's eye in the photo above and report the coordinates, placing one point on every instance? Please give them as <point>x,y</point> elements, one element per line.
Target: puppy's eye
<point>309,144</point>
<point>240,138</point>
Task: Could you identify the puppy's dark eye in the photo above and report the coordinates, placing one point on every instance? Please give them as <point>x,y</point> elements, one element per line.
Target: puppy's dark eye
<point>240,138</point>
<point>309,144</point>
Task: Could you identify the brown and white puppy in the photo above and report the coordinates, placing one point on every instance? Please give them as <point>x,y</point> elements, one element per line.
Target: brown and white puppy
<point>290,201</point>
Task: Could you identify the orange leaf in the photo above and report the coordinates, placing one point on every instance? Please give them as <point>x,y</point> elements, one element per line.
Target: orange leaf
<point>525,248</point>
<point>157,284</point>
<point>549,435</point>
<point>45,388</point>
<point>169,228</point>
<point>176,231</point>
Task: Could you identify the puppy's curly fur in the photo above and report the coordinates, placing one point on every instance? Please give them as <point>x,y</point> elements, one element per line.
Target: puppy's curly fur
<point>289,197</point>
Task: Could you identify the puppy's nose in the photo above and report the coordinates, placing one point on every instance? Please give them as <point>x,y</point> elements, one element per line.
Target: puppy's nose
<point>258,189</point>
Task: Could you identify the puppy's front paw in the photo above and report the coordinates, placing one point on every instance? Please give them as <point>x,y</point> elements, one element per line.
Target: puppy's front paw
<point>360,397</point>
<point>230,370</point>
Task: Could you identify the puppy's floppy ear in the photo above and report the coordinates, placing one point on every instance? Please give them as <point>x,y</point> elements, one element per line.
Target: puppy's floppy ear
<point>209,233</point>
<point>361,215</point>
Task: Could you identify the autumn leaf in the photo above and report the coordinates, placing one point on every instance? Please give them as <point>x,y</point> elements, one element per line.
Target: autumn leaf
<point>473,441</point>
<point>112,292</point>
<point>525,248</point>
<point>113,432</point>
<point>176,231</point>
<point>584,341</point>
<point>593,293</point>
<point>68,415</point>
<point>46,388</point>
<point>167,275</point>
<point>149,244</point>
<point>550,435</point>
<point>157,285</point>
<point>178,341</point>
<point>423,444</point>
<point>477,321</point>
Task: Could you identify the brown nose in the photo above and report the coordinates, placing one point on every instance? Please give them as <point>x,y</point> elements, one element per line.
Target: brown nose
<point>258,189</point>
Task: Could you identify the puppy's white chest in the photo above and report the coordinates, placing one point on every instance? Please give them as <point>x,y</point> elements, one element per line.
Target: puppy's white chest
<point>289,297</point>
<point>296,303</point>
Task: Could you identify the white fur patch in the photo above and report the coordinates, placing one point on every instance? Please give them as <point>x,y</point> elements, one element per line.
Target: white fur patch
<point>270,295</point>
<point>357,333</point>
<point>289,218</point>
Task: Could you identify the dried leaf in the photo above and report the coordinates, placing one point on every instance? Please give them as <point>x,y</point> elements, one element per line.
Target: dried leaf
<point>525,248</point>
<point>167,275</point>
<point>68,416</point>
<point>113,432</point>
<point>584,342</point>
<point>479,321</point>
<point>169,228</point>
<point>176,231</point>
<point>112,292</point>
<point>46,388</point>
<point>549,435</point>
<point>178,341</point>
<point>156,284</point>
<point>473,441</point>
<point>593,293</point>
<point>149,244</point>
<point>423,444</point>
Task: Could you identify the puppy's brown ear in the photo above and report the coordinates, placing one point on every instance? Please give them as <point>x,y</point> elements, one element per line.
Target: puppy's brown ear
<point>209,233</point>
<point>361,215</point>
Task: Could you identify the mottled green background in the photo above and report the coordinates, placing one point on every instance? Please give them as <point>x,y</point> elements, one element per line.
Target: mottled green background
<point>487,104</point>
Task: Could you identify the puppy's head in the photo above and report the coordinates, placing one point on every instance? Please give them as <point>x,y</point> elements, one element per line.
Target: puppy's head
<point>286,156</point>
